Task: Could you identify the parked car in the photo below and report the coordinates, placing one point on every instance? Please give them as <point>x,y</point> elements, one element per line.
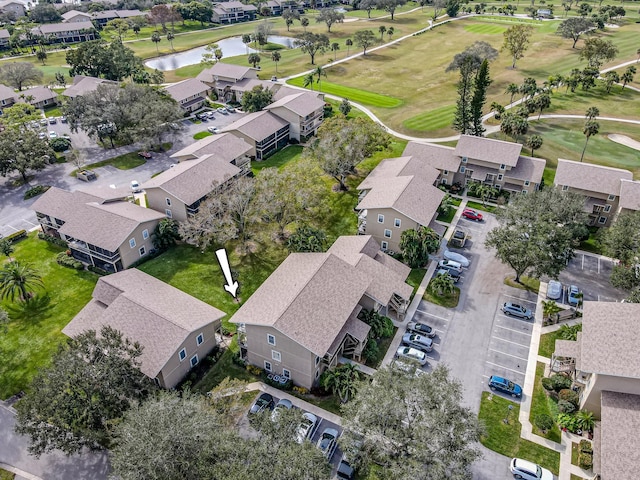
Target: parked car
<point>135,186</point>
<point>230,109</point>
<point>44,122</point>
<point>283,404</point>
<point>459,238</point>
<point>307,426</point>
<point>505,386</point>
<point>146,155</point>
<point>63,119</point>
<point>574,296</point>
<point>452,273</point>
<point>345,470</point>
<point>53,134</point>
<point>202,116</point>
<point>472,214</point>
<point>421,328</point>
<point>418,341</point>
<point>210,115</point>
<point>412,354</point>
<point>263,402</point>
<point>554,290</point>
<point>53,120</point>
<point>525,470</point>
<point>327,442</point>
<point>42,135</point>
<point>450,265</point>
<point>222,110</point>
<point>213,130</point>
<point>456,257</point>
<point>516,310</point>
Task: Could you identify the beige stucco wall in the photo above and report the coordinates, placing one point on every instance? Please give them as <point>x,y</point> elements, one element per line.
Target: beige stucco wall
<point>590,398</point>
<point>292,118</point>
<point>603,199</point>
<point>129,255</point>
<point>175,369</point>
<point>377,229</point>
<point>300,362</point>
<point>250,141</point>
<point>157,200</point>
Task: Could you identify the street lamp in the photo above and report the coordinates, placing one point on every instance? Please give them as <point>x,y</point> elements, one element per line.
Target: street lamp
<point>506,420</point>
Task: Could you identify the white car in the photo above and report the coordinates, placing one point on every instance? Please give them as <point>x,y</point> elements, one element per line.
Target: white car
<point>450,265</point>
<point>456,257</point>
<point>327,442</point>
<point>525,470</point>
<point>307,427</point>
<point>283,404</point>
<point>135,186</point>
<point>213,130</point>
<point>417,341</point>
<point>554,290</point>
<point>412,354</point>
<point>53,134</point>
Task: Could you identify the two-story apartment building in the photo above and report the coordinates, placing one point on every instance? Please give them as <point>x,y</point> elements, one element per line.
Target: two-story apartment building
<point>101,229</point>
<point>601,187</point>
<point>14,8</point>
<point>629,196</point>
<point>74,16</point>
<point>105,16</point>
<point>67,32</point>
<point>7,97</point>
<point>176,330</point>
<point>4,38</point>
<point>304,317</point>
<point>205,167</point>
<point>398,195</point>
<point>191,94</point>
<point>605,364</point>
<point>278,7</point>
<point>264,131</point>
<point>233,12</point>
<point>83,84</point>
<point>39,97</point>
<point>221,77</point>
<point>303,110</point>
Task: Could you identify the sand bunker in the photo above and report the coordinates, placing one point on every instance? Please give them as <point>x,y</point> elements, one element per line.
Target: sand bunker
<point>624,140</point>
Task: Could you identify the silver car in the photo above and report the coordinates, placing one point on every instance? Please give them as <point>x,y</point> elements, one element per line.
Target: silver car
<point>418,341</point>
<point>412,354</point>
<point>554,290</point>
<point>513,309</point>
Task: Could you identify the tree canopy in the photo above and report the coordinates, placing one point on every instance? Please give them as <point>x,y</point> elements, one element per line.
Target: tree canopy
<point>478,52</point>
<point>20,74</point>
<point>256,99</point>
<point>574,27</point>
<point>598,51</point>
<point>98,58</point>
<point>516,41</point>
<point>329,16</point>
<point>417,244</point>
<point>22,151</point>
<point>312,43</point>
<point>365,39</point>
<point>622,241</point>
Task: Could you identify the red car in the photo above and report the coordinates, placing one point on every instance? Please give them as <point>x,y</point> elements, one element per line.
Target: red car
<point>146,155</point>
<point>472,214</point>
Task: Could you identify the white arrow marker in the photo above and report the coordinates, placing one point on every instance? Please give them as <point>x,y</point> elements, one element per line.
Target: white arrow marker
<point>231,286</point>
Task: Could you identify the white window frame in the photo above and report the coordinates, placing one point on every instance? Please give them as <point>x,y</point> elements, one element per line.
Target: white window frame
<point>269,337</point>
<point>611,198</point>
<point>384,245</point>
<point>464,159</point>
<point>527,183</point>
<point>200,339</point>
<point>286,373</point>
<point>380,218</point>
<point>524,192</point>
<point>317,361</point>
<point>443,181</point>
<point>602,220</point>
<point>317,373</point>
<point>168,201</point>
<point>445,172</point>
<point>565,188</point>
<point>275,355</point>
<point>387,233</point>
<point>500,177</point>
<point>397,222</point>
<point>503,166</point>
<point>191,360</point>
<point>168,213</point>
<point>145,234</point>
<point>142,251</point>
<point>182,354</point>
<point>607,208</point>
<point>462,169</point>
<point>132,243</point>
<point>267,366</point>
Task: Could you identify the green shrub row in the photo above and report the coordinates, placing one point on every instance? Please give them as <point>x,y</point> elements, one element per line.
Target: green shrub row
<point>52,239</point>
<point>97,270</point>
<point>16,236</point>
<point>35,191</point>
<point>68,261</point>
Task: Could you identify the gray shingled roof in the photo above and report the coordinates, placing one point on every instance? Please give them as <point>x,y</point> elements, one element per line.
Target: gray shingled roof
<point>285,90</point>
<point>75,13</point>
<point>39,94</point>
<point>619,426</point>
<point>610,339</point>
<point>590,177</point>
<point>186,88</point>
<point>247,84</point>
<point>106,225</point>
<point>436,156</point>
<point>224,145</point>
<point>258,125</point>
<point>145,310</point>
<point>528,168</point>
<point>390,186</point>
<point>7,93</point>
<point>302,104</point>
<point>488,150</point>
<point>83,85</point>
<point>630,194</point>
<point>63,27</point>
<point>226,70</point>
<point>4,34</point>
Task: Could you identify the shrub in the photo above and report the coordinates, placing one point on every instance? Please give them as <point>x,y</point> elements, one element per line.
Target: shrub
<point>52,239</point>
<point>548,384</point>
<point>544,422</point>
<point>568,421</point>
<point>60,144</point>
<point>237,359</point>
<point>15,236</point>
<point>585,461</point>
<point>585,446</point>
<point>35,191</point>
<point>371,350</point>
<point>566,407</point>
<point>300,390</point>
<point>387,327</point>
<point>97,270</point>
<point>67,261</point>
<point>560,382</point>
<point>569,396</point>
<point>252,369</point>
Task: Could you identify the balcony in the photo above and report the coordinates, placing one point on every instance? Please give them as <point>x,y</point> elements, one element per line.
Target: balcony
<point>83,247</point>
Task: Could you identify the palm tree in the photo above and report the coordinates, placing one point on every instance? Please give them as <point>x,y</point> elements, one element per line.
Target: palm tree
<point>497,110</point>
<point>246,39</point>
<point>17,280</point>
<point>335,46</point>
<point>591,127</point>
<point>304,21</point>
<point>254,59</point>
<point>390,32</point>
<point>485,191</point>
<point>442,284</point>
<point>512,89</point>
<point>592,113</point>
<point>275,56</point>
<point>342,381</point>
<point>348,43</point>
<point>308,80</point>
<point>170,37</point>
<point>382,29</point>
<point>319,72</point>
<point>586,422</point>
<point>534,142</point>
<point>155,38</point>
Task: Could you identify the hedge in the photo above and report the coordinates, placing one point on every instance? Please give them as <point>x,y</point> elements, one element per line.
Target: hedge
<point>52,239</point>
<point>35,191</point>
<point>16,236</point>
<point>68,261</point>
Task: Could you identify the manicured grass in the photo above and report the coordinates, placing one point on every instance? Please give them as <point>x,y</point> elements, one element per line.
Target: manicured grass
<point>575,452</point>
<point>485,29</point>
<point>224,368</point>
<point>288,154</point>
<point>34,333</point>
<point>127,161</point>
<point>353,113</point>
<point>430,120</point>
<point>548,176</point>
<point>448,300</point>
<point>201,135</point>
<point>5,475</point>
<point>592,244</point>
<point>353,94</point>
<point>480,206</point>
<point>541,404</point>
<point>415,278</point>
<point>548,343</point>
<point>505,438</point>
<point>618,103</point>
<point>53,112</point>
<point>526,283</point>
<point>448,217</point>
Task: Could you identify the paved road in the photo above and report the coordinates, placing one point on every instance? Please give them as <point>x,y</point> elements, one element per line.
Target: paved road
<point>54,466</point>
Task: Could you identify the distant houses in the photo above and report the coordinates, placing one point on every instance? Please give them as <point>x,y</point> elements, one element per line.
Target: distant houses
<point>190,94</point>
<point>39,97</point>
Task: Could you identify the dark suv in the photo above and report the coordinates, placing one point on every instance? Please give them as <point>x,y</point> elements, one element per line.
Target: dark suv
<point>505,386</point>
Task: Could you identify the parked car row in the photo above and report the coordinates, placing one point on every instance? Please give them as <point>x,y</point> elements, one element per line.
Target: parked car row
<point>210,114</point>
<point>555,291</point>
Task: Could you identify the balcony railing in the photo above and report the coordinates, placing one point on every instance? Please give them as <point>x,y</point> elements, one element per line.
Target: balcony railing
<point>83,247</point>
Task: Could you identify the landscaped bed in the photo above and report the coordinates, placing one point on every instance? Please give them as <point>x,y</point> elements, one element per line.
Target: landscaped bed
<point>127,161</point>
<point>448,300</point>
<point>543,404</point>
<point>548,343</point>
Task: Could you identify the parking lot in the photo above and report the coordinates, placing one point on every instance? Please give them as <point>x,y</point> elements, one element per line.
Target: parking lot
<point>590,273</point>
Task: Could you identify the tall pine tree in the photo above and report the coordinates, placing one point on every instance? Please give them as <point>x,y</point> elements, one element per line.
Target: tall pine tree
<point>480,86</point>
<point>462,119</point>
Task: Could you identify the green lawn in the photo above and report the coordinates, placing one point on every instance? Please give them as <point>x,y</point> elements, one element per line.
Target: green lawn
<point>592,244</point>
<point>288,154</point>
<point>526,283</point>
<point>548,343</point>
<point>34,334</point>
<point>485,29</point>
<point>353,94</point>
<point>222,369</point>
<point>52,112</point>
<point>448,300</point>
<point>415,278</point>
<point>448,217</point>
<point>433,119</point>
<point>480,206</point>
<point>505,438</point>
<point>541,403</point>
<point>5,475</point>
<point>201,135</point>
<point>127,161</point>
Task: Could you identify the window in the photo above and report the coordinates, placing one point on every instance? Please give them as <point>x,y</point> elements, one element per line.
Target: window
<point>387,233</point>
<point>464,159</point>
<point>317,361</point>
<point>194,360</point>
<point>143,251</point>
<point>286,373</point>
<point>276,356</point>
<point>132,242</point>
<point>157,382</point>
<point>500,177</point>
<point>565,188</point>
<point>445,172</point>
<point>168,200</point>
<point>271,340</point>
<point>267,366</point>
<point>443,181</point>
<point>607,208</point>
<point>602,220</point>
<point>200,339</point>
<point>182,354</point>
<point>384,246</point>
<point>611,198</point>
<point>526,183</point>
<point>397,222</point>
<point>145,234</point>
<point>502,166</point>
<point>380,218</point>
<point>167,212</point>
<point>462,169</point>
<point>317,374</point>
<point>524,192</point>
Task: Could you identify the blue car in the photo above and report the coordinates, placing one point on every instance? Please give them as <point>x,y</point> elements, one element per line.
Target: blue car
<point>574,296</point>
<point>505,386</point>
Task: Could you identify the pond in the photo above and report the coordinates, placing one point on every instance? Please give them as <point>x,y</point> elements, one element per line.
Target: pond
<point>230,47</point>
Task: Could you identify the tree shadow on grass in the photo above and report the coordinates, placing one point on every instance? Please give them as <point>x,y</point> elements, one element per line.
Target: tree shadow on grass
<point>32,310</point>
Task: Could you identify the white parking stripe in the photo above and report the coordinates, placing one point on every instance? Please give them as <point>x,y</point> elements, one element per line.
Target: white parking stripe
<point>510,369</point>
<point>509,341</point>
<point>519,299</point>
<point>582,265</point>
<point>507,354</point>
<point>598,266</point>
<point>432,315</point>
<point>528,334</point>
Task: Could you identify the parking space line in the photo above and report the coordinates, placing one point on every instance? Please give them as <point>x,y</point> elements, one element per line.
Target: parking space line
<point>520,299</point>
<point>507,354</point>
<point>598,265</point>
<point>509,341</point>
<point>582,267</point>
<point>513,330</point>
<point>500,366</point>
<point>432,315</point>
